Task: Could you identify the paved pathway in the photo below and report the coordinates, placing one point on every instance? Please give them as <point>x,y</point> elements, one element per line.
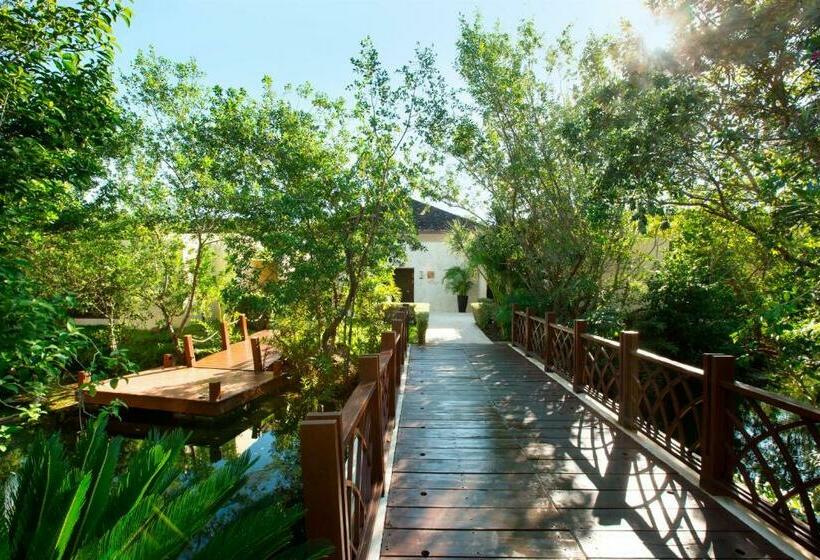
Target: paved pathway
<point>494,459</point>
<point>454,328</point>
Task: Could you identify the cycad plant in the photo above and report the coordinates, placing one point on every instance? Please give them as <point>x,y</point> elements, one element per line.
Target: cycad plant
<point>92,504</point>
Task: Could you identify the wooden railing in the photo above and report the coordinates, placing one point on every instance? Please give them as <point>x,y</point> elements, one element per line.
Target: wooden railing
<point>343,453</point>
<point>758,447</point>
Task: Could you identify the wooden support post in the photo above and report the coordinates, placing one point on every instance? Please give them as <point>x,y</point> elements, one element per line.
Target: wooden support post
<point>188,350</point>
<point>716,435</point>
<point>528,332</point>
<point>388,344</point>
<point>369,372</point>
<point>82,378</point>
<point>243,326</point>
<point>225,335</point>
<point>398,327</point>
<point>514,308</point>
<point>256,351</point>
<point>168,360</point>
<point>551,318</point>
<point>323,481</point>
<point>629,382</point>
<point>579,356</point>
<point>214,390</point>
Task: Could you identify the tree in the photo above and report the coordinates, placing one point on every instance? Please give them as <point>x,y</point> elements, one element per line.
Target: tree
<point>755,154</point>
<point>167,182</point>
<point>108,269</point>
<point>57,110</point>
<point>58,120</point>
<point>325,200</point>
<point>548,230</point>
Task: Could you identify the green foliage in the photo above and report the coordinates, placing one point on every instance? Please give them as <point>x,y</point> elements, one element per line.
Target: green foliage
<point>87,505</point>
<point>484,312</point>
<point>458,280</point>
<point>324,198</point>
<point>548,229</point>
<point>58,120</point>
<point>422,321</point>
<point>57,110</point>
<point>40,344</point>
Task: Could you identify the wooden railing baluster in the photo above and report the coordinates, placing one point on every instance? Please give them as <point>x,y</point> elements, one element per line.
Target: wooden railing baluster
<point>716,435</point>
<point>514,308</point>
<point>323,479</point>
<point>224,335</point>
<point>551,318</point>
<point>188,350</point>
<point>243,326</point>
<point>528,331</point>
<point>629,385</point>
<point>578,377</point>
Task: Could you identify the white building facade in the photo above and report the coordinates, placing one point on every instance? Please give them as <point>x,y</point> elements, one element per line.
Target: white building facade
<point>420,276</point>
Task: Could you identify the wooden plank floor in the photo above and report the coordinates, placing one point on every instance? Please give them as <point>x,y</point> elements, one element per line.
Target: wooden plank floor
<point>495,460</point>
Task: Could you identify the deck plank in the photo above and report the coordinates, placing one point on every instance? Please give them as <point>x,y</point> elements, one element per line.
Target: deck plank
<point>496,460</point>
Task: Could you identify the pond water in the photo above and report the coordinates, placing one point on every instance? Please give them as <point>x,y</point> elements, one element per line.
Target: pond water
<point>267,429</point>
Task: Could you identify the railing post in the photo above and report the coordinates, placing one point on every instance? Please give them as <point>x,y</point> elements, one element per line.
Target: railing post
<point>243,326</point>
<point>388,344</point>
<point>168,360</point>
<point>256,352</point>
<point>214,390</point>
<point>369,372</point>
<point>225,335</point>
<point>323,480</point>
<point>551,318</point>
<point>188,350</point>
<point>514,308</point>
<point>630,386</point>
<point>716,435</point>
<point>400,330</point>
<point>528,332</point>
<point>579,356</point>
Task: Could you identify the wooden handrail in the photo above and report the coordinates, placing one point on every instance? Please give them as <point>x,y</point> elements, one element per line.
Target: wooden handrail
<point>694,414</point>
<point>780,401</point>
<point>345,460</point>
<point>679,367</point>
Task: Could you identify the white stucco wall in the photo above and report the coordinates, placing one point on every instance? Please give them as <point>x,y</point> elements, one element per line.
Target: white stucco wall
<point>437,258</point>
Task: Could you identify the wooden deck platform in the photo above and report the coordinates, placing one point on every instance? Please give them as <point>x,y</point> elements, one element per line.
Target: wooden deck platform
<point>496,460</point>
<point>210,386</point>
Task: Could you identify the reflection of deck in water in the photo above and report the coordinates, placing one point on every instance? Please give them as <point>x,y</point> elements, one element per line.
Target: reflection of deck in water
<point>214,385</point>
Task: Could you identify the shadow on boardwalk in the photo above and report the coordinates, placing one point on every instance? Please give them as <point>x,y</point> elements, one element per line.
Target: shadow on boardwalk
<point>494,459</point>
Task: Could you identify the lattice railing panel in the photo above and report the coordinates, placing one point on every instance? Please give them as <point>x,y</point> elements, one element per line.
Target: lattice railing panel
<point>538,337</point>
<point>358,468</point>
<point>561,352</point>
<point>519,328</point>
<point>775,465</point>
<point>670,409</point>
<point>602,372</point>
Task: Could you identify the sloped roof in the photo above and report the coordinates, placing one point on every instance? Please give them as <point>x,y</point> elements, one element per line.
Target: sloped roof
<point>430,219</point>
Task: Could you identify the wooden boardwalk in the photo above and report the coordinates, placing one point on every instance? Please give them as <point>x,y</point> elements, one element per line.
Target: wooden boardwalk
<point>495,460</point>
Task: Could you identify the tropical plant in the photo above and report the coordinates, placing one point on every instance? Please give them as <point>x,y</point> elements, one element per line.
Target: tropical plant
<point>458,280</point>
<point>91,504</point>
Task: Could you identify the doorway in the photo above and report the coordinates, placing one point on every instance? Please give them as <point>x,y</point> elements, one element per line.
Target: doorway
<point>403,277</point>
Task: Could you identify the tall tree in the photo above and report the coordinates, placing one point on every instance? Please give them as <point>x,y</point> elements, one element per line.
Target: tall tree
<point>327,202</point>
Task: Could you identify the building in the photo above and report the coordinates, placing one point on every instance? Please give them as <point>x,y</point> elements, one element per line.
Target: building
<point>420,276</point>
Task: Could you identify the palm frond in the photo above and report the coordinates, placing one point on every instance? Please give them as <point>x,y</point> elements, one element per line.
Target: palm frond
<point>252,534</point>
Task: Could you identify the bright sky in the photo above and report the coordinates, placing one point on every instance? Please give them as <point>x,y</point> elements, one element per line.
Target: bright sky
<point>236,42</point>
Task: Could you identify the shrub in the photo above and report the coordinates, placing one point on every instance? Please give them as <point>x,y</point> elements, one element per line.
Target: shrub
<point>418,317</point>
<point>422,322</point>
<point>484,311</point>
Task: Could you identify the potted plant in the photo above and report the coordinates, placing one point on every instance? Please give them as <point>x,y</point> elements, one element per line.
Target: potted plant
<point>457,280</point>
